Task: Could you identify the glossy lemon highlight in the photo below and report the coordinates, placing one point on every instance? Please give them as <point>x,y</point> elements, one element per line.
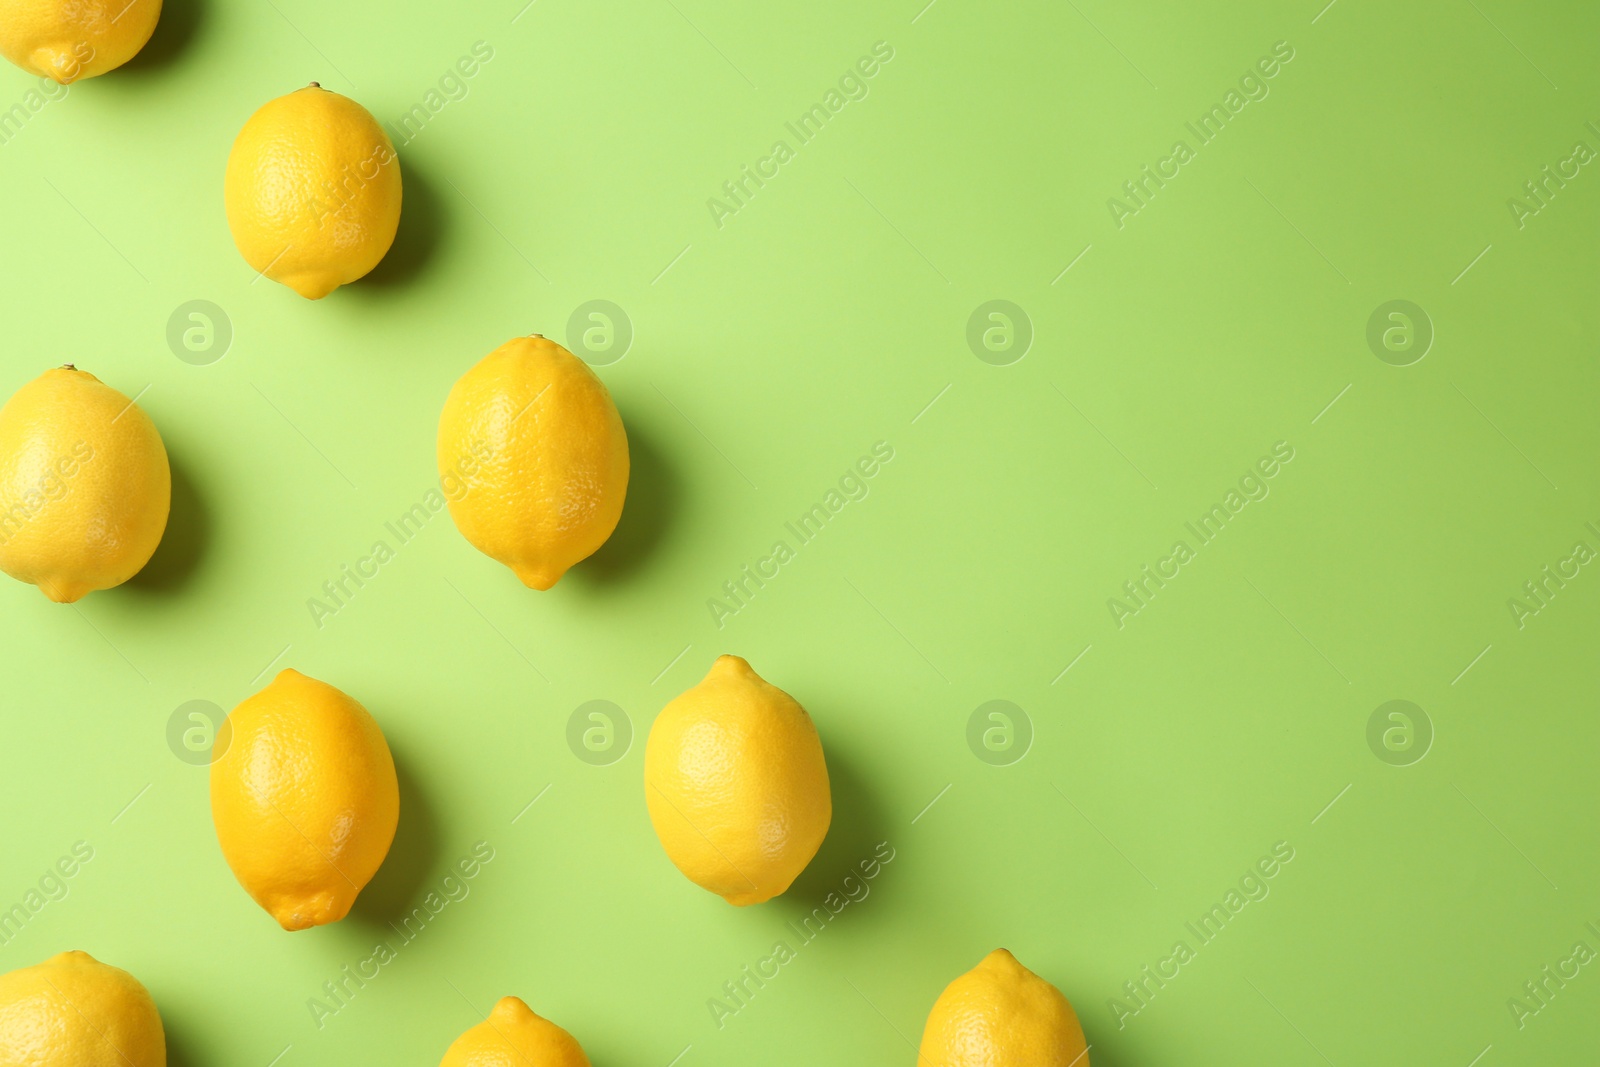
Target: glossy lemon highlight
<point>304,798</point>
<point>1000,1014</point>
<point>69,40</point>
<point>84,485</point>
<point>736,784</point>
<point>313,191</point>
<point>533,459</point>
<point>513,1036</point>
<point>74,1011</point>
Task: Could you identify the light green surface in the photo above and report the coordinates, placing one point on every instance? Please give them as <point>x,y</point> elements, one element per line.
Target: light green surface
<point>770,353</point>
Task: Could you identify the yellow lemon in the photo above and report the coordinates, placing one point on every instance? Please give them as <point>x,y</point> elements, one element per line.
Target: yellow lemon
<point>1000,1014</point>
<point>313,191</point>
<point>533,459</point>
<point>513,1036</point>
<point>304,798</point>
<point>74,1011</point>
<point>736,784</point>
<point>84,485</point>
<point>71,39</point>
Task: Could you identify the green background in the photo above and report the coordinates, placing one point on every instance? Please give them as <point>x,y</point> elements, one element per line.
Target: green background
<point>1226,716</point>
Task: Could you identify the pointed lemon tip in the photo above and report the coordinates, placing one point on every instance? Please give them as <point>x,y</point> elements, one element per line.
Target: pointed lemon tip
<point>540,578</point>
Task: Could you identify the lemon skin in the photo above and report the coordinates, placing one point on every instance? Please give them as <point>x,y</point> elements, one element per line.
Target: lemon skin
<point>312,191</point>
<point>533,459</point>
<point>74,1011</point>
<point>1000,1014</point>
<point>69,40</point>
<point>513,1036</point>
<point>85,487</point>
<point>304,798</point>
<point>736,784</point>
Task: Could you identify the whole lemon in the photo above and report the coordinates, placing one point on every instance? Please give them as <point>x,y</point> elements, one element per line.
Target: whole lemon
<point>304,798</point>
<point>84,485</point>
<point>736,784</point>
<point>1000,1014</point>
<point>513,1036</point>
<point>71,39</point>
<point>533,459</point>
<point>313,191</point>
<point>74,1011</point>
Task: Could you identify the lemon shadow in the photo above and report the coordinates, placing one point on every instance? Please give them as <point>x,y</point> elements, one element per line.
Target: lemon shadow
<point>183,544</point>
<point>399,884</point>
<point>422,219</point>
<point>858,829</point>
<point>175,30</point>
<point>647,513</point>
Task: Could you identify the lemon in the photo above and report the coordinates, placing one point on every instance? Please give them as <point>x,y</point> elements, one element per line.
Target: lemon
<point>313,191</point>
<point>72,39</point>
<point>736,784</point>
<point>533,459</point>
<point>74,1011</point>
<point>84,485</point>
<point>304,798</point>
<point>1000,1014</point>
<point>513,1036</point>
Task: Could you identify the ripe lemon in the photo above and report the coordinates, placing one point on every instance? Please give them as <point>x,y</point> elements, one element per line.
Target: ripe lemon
<point>84,485</point>
<point>1000,1014</point>
<point>313,191</point>
<point>513,1036</point>
<point>74,1011</point>
<point>68,40</point>
<point>533,459</point>
<point>736,784</point>
<point>304,798</point>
